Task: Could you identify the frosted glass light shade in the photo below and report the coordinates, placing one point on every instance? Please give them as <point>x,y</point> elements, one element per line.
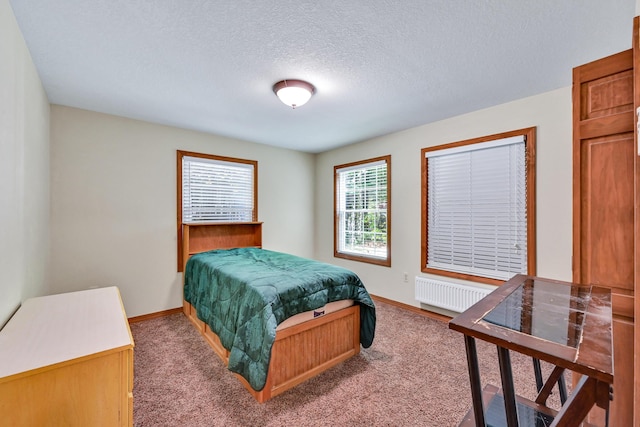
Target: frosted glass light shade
<point>293,93</point>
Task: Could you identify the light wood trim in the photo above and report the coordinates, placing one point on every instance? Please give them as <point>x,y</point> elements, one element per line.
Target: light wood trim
<point>180,155</point>
<point>179,238</point>
<point>531,156</point>
<point>636,278</point>
<point>368,260</point>
<point>403,306</point>
<point>155,315</point>
<point>530,153</point>
<point>362,258</point>
<point>462,276</point>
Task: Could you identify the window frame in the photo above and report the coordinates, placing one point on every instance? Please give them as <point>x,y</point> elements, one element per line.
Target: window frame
<point>386,262</point>
<point>530,177</point>
<point>180,156</point>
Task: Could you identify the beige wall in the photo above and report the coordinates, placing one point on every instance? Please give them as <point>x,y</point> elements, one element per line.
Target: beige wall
<point>549,112</point>
<point>113,197</point>
<point>113,210</point>
<point>111,217</point>
<point>24,171</point>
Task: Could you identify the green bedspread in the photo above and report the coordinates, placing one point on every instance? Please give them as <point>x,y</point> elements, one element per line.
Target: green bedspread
<point>243,294</point>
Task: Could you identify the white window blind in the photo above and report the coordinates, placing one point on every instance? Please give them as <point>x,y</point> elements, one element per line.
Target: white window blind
<point>477,209</point>
<point>362,209</point>
<point>216,190</point>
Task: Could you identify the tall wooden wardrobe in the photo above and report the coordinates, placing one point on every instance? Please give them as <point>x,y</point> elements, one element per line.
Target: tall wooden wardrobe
<point>606,206</point>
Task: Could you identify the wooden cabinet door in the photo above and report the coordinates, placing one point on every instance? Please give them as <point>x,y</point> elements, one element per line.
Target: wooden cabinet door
<point>604,161</point>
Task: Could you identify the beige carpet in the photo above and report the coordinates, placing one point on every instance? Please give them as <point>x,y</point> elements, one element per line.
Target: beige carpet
<point>414,374</point>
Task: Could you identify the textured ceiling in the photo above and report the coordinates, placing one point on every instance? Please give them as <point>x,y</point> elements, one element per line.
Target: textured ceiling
<point>378,66</point>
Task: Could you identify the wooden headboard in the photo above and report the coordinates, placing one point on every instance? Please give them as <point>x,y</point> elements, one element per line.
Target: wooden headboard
<point>205,236</point>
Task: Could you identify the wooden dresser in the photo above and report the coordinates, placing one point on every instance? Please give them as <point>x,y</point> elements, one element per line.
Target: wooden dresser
<point>67,360</point>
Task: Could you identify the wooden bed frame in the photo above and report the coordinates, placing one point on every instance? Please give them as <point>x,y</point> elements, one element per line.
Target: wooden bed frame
<point>300,351</point>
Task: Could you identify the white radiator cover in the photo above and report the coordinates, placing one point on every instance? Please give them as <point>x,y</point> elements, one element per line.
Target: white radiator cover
<point>448,295</point>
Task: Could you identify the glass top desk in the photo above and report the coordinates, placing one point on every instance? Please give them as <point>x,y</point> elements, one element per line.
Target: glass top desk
<point>561,323</point>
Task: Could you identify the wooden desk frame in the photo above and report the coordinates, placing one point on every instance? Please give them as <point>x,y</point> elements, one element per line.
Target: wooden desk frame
<point>592,356</point>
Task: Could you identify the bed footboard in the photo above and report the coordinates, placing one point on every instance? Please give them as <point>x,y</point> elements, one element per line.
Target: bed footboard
<point>299,352</point>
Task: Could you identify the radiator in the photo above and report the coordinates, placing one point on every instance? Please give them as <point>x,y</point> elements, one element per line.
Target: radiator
<point>450,296</point>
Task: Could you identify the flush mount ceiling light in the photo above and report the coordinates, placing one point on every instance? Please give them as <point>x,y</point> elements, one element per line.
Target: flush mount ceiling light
<point>293,93</point>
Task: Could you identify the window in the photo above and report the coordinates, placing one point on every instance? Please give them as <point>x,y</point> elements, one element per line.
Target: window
<point>215,189</point>
<point>478,207</point>
<point>362,221</point>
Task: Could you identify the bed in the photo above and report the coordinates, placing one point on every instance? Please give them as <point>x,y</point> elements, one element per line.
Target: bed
<point>308,316</point>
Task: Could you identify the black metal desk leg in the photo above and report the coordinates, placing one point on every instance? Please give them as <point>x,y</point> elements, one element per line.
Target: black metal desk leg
<point>474,378</point>
<point>537,371</point>
<point>507,387</point>
<point>562,389</point>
